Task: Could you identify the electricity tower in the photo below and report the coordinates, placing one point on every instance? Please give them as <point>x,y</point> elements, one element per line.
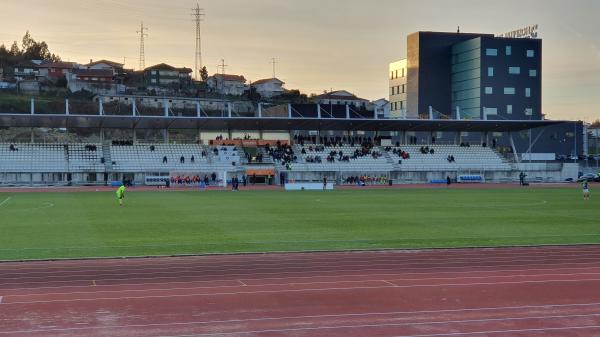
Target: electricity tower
<point>222,65</point>
<point>274,62</point>
<point>143,34</point>
<point>197,14</point>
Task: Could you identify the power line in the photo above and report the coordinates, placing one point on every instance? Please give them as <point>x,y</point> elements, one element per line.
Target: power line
<point>143,34</point>
<point>197,14</point>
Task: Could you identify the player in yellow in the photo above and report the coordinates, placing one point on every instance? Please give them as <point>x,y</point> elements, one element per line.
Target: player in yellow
<point>121,194</point>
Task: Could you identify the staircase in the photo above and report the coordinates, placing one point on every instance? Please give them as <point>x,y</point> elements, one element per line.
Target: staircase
<point>106,155</point>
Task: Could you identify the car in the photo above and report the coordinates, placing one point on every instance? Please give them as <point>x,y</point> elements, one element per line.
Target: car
<point>589,177</point>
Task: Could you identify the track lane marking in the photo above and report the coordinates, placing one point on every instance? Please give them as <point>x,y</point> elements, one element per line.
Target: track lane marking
<point>483,320</point>
<point>392,275</point>
<point>388,281</point>
<point>243,266</point>
<point>482,268</point>
<point>296,291</point>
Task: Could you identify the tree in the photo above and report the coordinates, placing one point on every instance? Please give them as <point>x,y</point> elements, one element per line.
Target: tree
<point>14,49</point>
<point>204,74</point>
<point>33,50</point>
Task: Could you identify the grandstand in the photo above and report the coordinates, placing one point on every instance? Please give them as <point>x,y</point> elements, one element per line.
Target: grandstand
<point>105,147</point>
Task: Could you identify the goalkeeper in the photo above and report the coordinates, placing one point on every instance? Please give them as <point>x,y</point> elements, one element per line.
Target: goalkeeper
<point>121,194</point>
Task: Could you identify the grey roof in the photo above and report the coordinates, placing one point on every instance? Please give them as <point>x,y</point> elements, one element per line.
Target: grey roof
<point>255,123</point>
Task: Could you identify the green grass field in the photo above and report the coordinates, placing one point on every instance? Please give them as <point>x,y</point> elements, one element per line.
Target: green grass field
<point>69,225</point>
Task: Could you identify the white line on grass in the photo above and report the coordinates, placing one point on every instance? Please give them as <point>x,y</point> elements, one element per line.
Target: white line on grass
<point>5,201</point>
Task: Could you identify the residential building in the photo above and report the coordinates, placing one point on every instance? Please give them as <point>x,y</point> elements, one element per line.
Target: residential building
<point>115,67</point>
<point>382,108</point>
<point>398,97</point>
<point>53,71</point>
<point>269,87</point>
<point>473,76</point>
<point>27,70</point>
<point>341,97</point>
<point>166,75</point>
<point>226,84</point>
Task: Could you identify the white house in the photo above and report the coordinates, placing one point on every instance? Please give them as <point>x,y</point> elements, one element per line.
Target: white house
<point>115,67</point>
<point>226,84</point>
<point>341,97</point>
<point>382,108</point>
<point>269,87</point>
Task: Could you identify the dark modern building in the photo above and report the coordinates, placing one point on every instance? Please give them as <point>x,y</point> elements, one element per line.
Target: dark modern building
<point>473,76</point>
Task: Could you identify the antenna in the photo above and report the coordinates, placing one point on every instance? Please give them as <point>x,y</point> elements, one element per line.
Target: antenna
<point>143,34</point>
<point>273,61</point>
<point>197,14</point>
<point>222,65</point>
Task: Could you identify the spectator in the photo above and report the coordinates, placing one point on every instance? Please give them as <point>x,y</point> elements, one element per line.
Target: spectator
<point>192,159</point>
<point>165,160</point>
<point>182,159</point>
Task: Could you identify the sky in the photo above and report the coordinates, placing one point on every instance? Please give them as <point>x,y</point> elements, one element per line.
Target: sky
<point>318,44</point>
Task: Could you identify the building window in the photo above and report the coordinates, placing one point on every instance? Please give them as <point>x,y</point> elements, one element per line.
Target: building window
<point>514,70</point>
<point>490,111</point>
<point>508,50</point>
<point>489,90</point>
<point>530,53</point>
<point>391,75</point>
<point>403,89</point>
<point>490,71</point>
<point>529,111</point>
<point>491,52</point>
<point>527,92</point>
<point>401,105</point>
<point>509,91</point>
<point>402,72</point>
<point>532,73</point>
<point>509,109</point>
<point>391,91</point>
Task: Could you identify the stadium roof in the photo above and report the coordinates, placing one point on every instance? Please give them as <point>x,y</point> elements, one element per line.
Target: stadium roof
<point>264,123</point>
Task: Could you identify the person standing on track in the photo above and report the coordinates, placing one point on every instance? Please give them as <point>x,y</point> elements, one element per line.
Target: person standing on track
<point>121,194</point>
<point>586,190</point>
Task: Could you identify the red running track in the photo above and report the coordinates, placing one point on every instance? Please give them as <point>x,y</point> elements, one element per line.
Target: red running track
<point>537,291</point>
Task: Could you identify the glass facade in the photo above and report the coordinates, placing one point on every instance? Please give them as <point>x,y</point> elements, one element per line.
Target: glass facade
<point>466,78</point>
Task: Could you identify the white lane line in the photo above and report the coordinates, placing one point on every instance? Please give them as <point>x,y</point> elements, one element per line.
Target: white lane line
<point>298,274</point>
<point>387,254</point>
<point>264,272</point>
<point>456,263</point>
<point>5,201</point>
<point>390,276</point>
<point>490,332</point>
<point>389,281</point>
<point>234,293</point>
<point>483,320</point>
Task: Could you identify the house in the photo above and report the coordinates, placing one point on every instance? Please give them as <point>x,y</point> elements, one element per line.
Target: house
<point>53,71</point>
<point>382,108</point>
<point>93,75</point>
<point>27,70</point>
<point>341,97</point>
<point>166,75</point>
<point>93,80</point>
<point>269,87</point>
<point>226,84</point>
<point>115,67</point>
